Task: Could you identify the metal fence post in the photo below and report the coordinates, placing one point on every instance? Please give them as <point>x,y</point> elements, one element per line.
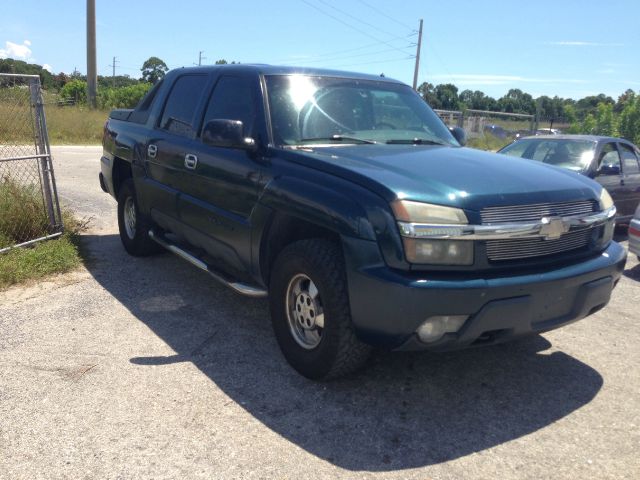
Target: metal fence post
<point>41,149</point>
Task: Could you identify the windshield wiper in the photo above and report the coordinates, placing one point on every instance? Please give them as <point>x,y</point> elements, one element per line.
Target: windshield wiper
<point>337,138</point>
<point>415,141</point>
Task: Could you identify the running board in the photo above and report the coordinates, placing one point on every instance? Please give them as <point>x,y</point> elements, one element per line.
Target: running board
<point>238,287</point>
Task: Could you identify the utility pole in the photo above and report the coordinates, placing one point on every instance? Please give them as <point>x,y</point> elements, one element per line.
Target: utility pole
<point>92,70</point>
<point>200,57</point>
<point>415,72</point>
<point>113,75</point>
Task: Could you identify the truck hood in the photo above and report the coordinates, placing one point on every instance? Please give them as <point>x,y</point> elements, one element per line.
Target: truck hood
<point>460,177</point>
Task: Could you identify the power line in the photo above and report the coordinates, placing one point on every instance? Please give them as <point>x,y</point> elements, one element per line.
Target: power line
<point>349,25</point>
<point>339,52</point>
<point>348,56</point>
<point>356,18</point>
<point>389,60</point>
<point>385,15</point>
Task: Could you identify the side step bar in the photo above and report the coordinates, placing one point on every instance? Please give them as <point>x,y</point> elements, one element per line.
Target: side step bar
<point>238,287</point>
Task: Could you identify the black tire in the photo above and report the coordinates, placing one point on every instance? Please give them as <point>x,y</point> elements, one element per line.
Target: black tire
<point>339,351</point>
<point>135,240</point>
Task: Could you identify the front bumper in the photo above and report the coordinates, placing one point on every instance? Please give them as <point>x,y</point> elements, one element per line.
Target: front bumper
<point>387,306</point>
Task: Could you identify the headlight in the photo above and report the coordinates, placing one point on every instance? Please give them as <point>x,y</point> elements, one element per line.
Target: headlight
<point>606,202</point>
<point>416,212</point>
<point>418,221</point>
<point>438,252</point>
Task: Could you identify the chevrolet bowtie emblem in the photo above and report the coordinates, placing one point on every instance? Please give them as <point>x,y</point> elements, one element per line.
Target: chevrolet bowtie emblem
<point>553,228</point>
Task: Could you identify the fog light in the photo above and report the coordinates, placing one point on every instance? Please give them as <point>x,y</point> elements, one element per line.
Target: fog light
<point>434,328</point>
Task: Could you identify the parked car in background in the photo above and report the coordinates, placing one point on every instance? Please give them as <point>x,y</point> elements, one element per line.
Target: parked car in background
<point>548,131</point>
<point>612,162</point>
<point>634,234</point>
<point>497,131</point>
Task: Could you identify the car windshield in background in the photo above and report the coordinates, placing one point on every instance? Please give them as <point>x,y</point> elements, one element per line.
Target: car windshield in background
<point>316,110</point>
<point>567,153</point>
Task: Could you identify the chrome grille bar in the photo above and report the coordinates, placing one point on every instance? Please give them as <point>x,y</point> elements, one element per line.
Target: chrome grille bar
<point>534,212</point>
<point>513,249</point>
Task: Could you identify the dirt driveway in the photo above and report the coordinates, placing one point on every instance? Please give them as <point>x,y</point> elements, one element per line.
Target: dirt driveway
<point>144,368</point>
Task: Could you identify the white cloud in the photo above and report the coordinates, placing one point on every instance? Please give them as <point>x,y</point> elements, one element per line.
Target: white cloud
<point>48,68</point>
<point>576,43</point>
<point>14,50</point>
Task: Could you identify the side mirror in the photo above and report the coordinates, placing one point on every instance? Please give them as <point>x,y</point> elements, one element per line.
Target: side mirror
<point>459,134</point>
<point>226,133</point>
<point>609,170</point>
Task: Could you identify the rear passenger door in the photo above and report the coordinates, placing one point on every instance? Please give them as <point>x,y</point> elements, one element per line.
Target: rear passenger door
<point>170,142</point>
<point>630,184</point>
<point>217,201</point>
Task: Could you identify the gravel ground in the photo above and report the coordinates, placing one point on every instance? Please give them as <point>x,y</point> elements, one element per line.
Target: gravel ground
<point>144,368</point>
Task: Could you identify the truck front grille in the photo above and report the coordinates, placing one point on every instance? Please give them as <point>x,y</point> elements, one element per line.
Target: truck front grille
<point>535,212</point>
<point>520,248</point>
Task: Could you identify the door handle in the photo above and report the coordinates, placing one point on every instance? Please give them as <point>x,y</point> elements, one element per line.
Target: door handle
<point>152,151</point>
<point>190,161</point>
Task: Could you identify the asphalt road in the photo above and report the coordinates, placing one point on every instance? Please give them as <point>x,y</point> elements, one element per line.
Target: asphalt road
<point>145,368</point>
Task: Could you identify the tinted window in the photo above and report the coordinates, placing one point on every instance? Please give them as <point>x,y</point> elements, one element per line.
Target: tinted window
<point>629,159</point>
<point>566,153</point>
<point>143,109</point>
<point>179,111</point>
<point>516,149</point>
<point>609,161</point>
<point>233,99</point>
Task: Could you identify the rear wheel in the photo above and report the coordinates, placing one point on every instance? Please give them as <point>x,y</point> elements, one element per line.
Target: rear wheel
<point>310,311</point>
<point>134,227</point>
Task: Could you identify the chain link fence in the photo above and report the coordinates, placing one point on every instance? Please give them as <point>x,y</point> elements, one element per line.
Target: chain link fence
<point>29,207</point>
<point>490,130</point>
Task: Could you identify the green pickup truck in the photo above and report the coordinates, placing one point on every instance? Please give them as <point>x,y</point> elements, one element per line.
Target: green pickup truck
<point>347,201</point>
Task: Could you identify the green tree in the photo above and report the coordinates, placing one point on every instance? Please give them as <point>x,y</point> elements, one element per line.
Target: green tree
<point>75,90</point>
<point>153,69</point>
<point>477,100</point>
<point>588,125</point>
<point>629,125</point>
<point>628,96</point>
<point>605,121</point>
<point>569,114</point>
<point>222,61</point>
<point>516,101</point>
<point>428,94</point>
<point>447,95</point>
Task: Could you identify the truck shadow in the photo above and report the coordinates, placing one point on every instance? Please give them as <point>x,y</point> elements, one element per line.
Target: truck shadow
<point>403,411</point>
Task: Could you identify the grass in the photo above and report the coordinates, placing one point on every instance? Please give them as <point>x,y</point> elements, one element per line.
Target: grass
<point>488,142</point>
<point>75,125</point>
<point>23,206</point>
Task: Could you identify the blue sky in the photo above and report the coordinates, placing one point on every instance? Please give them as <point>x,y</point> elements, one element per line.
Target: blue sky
<point>568,48</point>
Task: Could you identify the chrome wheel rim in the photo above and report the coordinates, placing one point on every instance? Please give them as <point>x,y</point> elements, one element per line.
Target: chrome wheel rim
<point>305,314</point>
<point>130,217</point>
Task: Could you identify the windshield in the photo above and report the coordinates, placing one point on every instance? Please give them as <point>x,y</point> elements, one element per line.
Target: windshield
<point>328,110</point>
<point>567,153</point>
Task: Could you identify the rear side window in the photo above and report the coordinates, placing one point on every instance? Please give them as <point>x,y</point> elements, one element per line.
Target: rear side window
<point>233,99</point>
<point>143,109</point>
<point>629,160</point>
<point>178,116</point>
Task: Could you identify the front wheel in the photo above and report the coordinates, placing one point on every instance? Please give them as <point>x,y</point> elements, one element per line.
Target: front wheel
<point>133,226</point>
<point>310,311</point>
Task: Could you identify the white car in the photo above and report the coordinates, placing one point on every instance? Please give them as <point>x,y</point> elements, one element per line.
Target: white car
<point>634,233</point>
